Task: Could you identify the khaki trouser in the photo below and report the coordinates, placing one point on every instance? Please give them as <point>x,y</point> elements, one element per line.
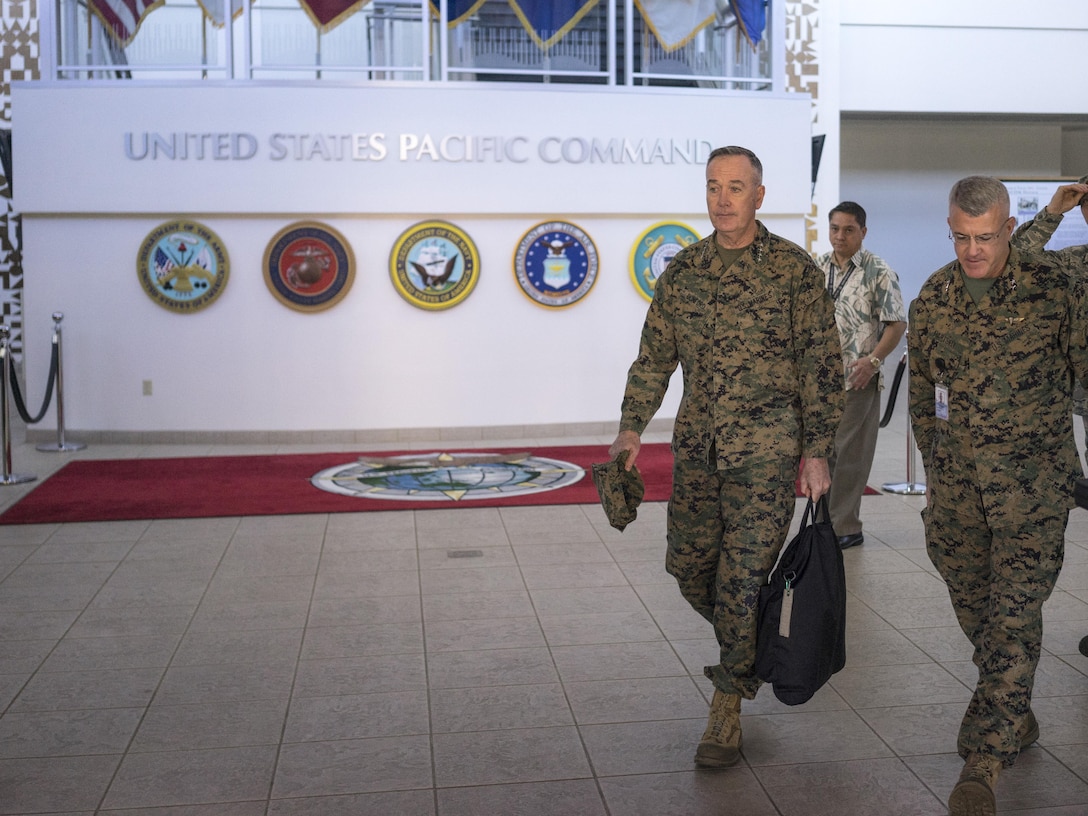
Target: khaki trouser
<point>855,446</point>
<point>725,531</point>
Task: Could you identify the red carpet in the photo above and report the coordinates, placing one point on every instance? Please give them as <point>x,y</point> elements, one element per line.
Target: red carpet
<point>201,487</point>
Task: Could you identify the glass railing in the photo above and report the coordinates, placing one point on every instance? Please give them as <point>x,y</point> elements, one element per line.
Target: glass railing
<point>727,44</point>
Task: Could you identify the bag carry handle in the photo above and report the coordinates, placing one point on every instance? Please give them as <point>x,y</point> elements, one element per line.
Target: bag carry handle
<point>815,508</point>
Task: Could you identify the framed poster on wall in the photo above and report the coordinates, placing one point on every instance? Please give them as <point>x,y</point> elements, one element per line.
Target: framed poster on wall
<point>1028,196</point>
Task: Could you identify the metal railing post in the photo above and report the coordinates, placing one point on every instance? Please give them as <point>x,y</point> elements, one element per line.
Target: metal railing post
<point>7,478</point>
<point>60,444</point>
<point>909,487</point>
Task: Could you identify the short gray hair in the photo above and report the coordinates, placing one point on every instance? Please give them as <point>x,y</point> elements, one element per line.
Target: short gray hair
<point>977,195</point>
<point>734,150</point>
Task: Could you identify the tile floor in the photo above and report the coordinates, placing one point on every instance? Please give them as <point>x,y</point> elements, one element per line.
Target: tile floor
<point>364,664</point>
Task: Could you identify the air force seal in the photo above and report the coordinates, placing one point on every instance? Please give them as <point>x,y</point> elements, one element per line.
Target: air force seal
<point>309,266</point>
<point>653,251</point>
<point>182,266</point>
<point>434,265</point>
<point>556,264</point>
<point>447,476</point>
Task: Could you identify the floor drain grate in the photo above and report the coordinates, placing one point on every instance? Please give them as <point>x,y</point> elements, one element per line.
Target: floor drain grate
<point>465,553</point>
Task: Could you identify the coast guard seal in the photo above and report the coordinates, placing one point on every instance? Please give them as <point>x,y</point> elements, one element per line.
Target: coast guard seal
<point>182,266</point>
<point>309,266</point>
<point>447,476</point>
<point>556,264</point>
<point>653,251</point>
<point>434,265</point>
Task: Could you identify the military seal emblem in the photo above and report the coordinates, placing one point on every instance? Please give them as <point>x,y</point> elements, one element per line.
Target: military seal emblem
<point>434,265</point>
<point>309,266</point>
<point>556,264</point>
<point>653,251</point>
<point>447,476</point>
<point>182,266</point>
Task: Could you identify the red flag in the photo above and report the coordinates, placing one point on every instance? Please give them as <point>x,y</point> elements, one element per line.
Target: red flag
<point>328,14</point>
<point>122,18</point>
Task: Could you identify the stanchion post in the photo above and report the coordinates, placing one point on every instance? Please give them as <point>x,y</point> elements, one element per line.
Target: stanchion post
<point>7,478</point>
<point>909,487</point>
<point>60,444</point>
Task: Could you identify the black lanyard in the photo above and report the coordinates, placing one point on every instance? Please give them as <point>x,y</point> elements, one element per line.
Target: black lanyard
<point>836,291</point>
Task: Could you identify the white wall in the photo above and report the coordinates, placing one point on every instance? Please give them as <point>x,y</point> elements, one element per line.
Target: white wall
<point>901,170</point>
<point>373,361</point>
<point>969,56</point>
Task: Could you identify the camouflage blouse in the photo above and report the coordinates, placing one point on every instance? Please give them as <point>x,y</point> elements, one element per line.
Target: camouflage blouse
<point>1001,372</point>
<point>759,351</point>
<point>1032,236</point>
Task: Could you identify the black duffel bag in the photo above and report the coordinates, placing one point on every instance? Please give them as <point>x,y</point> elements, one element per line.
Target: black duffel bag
<point>802,612</point>
<point>1080,493</point>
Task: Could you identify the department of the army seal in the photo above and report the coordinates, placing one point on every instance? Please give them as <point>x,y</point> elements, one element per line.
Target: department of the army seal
<point>654,249</point>
<point>447,476</point>
<point>182,266</point>
<point>555,264</point>
<point>434,265</point>
<point>309,266</point>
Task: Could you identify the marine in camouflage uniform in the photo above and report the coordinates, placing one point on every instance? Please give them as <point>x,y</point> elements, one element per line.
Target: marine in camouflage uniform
<point>990,394</point>
<point>763,385</point>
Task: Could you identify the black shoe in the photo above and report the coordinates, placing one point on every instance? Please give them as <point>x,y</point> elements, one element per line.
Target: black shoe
<point>852,540</point>
<point>1084,646</point>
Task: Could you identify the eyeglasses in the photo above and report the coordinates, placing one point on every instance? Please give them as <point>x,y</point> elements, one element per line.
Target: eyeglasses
<point>985,239</point>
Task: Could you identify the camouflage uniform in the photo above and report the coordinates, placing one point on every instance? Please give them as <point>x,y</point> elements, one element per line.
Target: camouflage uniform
<point>1000,469</point>
<point>763,384</point>
<point>1032,236</point>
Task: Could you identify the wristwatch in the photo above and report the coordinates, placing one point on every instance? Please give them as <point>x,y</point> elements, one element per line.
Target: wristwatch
<point>874,361</point>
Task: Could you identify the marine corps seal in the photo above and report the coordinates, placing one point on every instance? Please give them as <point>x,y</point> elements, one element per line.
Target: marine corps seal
<point>182,266</point>
<point>434,265</point>
<point>556,264</point>
<point>309,266</point>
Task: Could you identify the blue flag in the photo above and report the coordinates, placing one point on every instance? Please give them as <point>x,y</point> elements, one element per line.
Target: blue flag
<point>458,10</point>
<point>548,21</point>
<point>752,17</point>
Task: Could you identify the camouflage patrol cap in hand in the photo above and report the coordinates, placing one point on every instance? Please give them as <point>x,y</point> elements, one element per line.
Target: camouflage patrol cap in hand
<point>621,490</point>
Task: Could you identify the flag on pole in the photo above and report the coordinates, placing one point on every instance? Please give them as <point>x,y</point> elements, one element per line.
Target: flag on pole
<point>751,17</point>
<point>215,10</point>
<point>675,22</point>
<point>458,10</point>
<point>328,14</point>
<point>549,21</point>
<point>122,18</point>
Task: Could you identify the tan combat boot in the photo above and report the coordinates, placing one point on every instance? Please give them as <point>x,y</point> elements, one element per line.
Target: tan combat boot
<point>720,745</point>
<point>974,793</point>
<point>1029,730</point>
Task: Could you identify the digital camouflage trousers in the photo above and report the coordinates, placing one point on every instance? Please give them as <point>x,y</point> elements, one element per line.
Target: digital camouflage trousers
<point>725,532</point>
<point>998,579</point>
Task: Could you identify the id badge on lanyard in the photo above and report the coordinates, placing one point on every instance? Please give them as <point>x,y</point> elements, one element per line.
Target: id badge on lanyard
<point>940,401</point>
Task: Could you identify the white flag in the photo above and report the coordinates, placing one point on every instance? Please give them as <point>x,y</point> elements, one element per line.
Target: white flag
<point>214,10</point>
<point>675,22</point>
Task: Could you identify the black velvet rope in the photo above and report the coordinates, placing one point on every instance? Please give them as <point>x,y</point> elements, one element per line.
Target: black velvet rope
<point>889,409</point>
<point>18,394</point>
